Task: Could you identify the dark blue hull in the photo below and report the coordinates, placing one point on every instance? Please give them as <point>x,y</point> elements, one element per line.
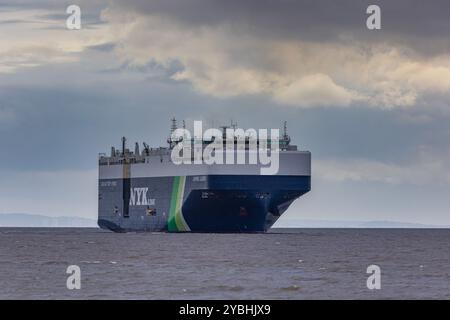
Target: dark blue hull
<point>242,204</point>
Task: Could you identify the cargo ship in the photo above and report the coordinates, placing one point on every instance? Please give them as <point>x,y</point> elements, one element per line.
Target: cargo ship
<point>145,190</point>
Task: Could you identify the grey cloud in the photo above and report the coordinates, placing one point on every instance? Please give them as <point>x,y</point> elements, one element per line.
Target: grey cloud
<point>105,47</point>
<point>225,60</point>
<point>65,124</point>
<point>414,22</point>
<point>88,18</point>
<point>12,21</point>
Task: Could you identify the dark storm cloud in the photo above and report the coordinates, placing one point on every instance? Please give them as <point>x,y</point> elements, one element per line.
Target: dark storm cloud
<point>32,5</point>
<point>282,18</point>
<point>48,4</point>
<point>311,19</point>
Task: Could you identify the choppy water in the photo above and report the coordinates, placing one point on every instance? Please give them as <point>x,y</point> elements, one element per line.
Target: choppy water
<point>294,264</point>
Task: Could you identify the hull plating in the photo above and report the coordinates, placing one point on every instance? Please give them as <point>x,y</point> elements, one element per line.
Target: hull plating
<point>206,203</point>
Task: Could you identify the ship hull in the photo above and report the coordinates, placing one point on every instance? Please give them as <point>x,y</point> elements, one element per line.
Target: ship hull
<point>201,203</point>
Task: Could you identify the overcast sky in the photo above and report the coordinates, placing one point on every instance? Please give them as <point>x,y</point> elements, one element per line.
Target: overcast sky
<point>373,107</point>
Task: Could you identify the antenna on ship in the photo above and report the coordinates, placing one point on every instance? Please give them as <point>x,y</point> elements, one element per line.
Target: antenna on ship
<point>285,130</point>
<point>124,140</point>
<point>173,127</point>
<point>146,149</point>
<point>286,138</point>
<point>184,132</point>
<point>136,149</point>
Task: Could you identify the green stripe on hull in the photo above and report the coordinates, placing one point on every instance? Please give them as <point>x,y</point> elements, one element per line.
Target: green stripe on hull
<point>176,222</point>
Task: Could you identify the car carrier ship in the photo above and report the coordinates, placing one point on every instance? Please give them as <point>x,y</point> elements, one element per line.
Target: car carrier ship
<point>146,191</point>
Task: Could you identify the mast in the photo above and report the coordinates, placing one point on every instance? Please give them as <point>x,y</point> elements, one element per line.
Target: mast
<point>136,149</point>
<point>173,127</point>
<point>286,139</point>
<point>124,141</point>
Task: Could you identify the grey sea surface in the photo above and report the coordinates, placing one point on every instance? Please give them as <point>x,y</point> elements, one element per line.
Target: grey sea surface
<point>281,264</point>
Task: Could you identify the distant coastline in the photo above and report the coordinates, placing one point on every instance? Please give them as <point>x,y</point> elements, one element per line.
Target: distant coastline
<point>23,220</point>
<point>308,223</point>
